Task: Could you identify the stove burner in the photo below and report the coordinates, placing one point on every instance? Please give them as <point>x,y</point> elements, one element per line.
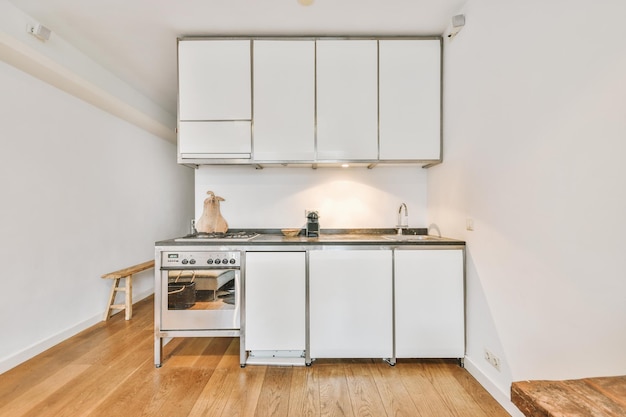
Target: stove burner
<point>227,235</point>
<point>200,236</point>
<point>207,235</point>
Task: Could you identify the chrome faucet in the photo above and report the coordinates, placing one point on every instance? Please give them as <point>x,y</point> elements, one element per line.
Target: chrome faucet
<point>403,221</point>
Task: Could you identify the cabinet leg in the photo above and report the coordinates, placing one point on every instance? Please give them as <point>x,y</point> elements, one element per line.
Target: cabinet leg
<point>390,361</point>
<point>158,351</point>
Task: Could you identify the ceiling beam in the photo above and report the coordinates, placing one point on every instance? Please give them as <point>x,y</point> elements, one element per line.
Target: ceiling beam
<point>21,56</point>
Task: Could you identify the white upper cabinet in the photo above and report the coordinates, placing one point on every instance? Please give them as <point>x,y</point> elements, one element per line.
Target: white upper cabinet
<point>300,100</point>
<point>214,100</point>
<point>347,100</point>
<point>410,99</point>
<point>223,139</point>
<point>214,80</point>
<point>284,100</point>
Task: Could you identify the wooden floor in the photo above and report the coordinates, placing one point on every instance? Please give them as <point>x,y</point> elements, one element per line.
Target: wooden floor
<point>108,370</point>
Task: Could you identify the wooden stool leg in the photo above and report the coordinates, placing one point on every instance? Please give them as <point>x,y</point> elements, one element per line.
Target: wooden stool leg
<point>129,297</point>
<point>107,313</point>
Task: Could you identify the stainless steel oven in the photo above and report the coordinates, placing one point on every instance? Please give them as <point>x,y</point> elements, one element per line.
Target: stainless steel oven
<point>197,294</point>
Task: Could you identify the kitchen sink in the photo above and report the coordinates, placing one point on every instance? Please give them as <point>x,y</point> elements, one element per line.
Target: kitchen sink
<point>348,237</point>
<point>357,237</point>
<point>410,238</point>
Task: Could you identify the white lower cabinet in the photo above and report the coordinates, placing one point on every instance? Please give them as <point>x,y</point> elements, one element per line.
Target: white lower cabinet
<point>275,303</point>
<point>350,296</point>
<point>429,303</point>
<point>354,295</point>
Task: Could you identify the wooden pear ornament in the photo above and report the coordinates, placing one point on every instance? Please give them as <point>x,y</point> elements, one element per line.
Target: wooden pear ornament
<point>211,220</point>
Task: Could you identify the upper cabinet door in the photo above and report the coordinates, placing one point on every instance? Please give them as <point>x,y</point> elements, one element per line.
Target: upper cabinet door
<point>410,99</point>
<point>284,100</point>
<point>347,100</point>
<point>214,80</point>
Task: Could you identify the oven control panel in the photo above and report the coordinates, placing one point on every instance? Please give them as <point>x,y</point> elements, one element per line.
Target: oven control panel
<point>200,260</point>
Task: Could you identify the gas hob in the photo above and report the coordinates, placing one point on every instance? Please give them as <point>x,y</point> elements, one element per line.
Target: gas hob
<point>218,237</point>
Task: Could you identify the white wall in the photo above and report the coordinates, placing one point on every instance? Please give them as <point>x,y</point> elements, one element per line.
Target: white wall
<point>59,63</point>
<point>535,137</point>
<point>345,198</point>
<point>83,193</point>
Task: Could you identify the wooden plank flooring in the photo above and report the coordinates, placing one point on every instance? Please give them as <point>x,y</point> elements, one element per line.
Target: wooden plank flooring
<point>108,370</point>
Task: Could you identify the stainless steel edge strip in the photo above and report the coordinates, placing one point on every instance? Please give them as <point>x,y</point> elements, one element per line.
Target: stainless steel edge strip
<point>158,341</point>
<point>393,308</point>
<point>242,311</point>
<point>307,313</point>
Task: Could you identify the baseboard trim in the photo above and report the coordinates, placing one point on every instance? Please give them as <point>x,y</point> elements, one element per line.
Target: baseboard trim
<point>502,397</point>
<point>30,352</point>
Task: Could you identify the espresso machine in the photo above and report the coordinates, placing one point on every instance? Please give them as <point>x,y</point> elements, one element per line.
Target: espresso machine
<point>312,224</point>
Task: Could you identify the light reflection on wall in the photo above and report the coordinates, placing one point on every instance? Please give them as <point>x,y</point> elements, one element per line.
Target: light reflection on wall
<point>345,198</point>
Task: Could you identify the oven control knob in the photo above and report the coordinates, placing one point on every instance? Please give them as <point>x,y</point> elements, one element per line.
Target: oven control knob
<point>209,261</point>
<point>185,262</point>
<point>192,261</point>
<point>232,261</point>
<point>217,261</point>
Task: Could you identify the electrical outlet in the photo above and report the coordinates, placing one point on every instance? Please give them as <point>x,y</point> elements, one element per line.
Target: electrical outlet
<point>492,359</point>
<point>495,361</point>
<point>469,224</point>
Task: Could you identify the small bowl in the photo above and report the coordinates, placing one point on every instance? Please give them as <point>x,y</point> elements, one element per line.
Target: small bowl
<point>290,232</point>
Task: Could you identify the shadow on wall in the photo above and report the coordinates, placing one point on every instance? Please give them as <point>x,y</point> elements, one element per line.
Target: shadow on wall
<point>486,359</point>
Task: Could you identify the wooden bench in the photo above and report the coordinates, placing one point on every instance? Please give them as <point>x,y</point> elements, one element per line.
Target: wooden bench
<point>127,275</point>
<point>589,397</point>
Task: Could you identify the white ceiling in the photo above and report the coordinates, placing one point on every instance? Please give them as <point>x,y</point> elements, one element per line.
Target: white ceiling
<point>136,39</point>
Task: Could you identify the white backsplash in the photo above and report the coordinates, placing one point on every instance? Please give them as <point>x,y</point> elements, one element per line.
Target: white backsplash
<point>345,197</point>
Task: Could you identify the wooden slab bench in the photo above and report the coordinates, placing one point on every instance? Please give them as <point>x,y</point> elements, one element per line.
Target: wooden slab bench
<point>127,275</point>
<point>588,397</point>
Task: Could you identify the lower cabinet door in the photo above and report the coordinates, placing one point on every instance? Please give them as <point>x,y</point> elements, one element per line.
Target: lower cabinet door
<point>207,139</point>
<point>429,304</point>
<point>350,296</point>
<point>275,301</point>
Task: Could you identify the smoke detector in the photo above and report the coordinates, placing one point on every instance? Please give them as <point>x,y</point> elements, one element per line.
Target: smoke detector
<point>39,31</point>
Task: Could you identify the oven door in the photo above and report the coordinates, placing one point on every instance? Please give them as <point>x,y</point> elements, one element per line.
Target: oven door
<point>200,299</point>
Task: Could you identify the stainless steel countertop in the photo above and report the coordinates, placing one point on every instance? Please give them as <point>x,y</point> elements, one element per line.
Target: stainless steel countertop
<point>331,237</point>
